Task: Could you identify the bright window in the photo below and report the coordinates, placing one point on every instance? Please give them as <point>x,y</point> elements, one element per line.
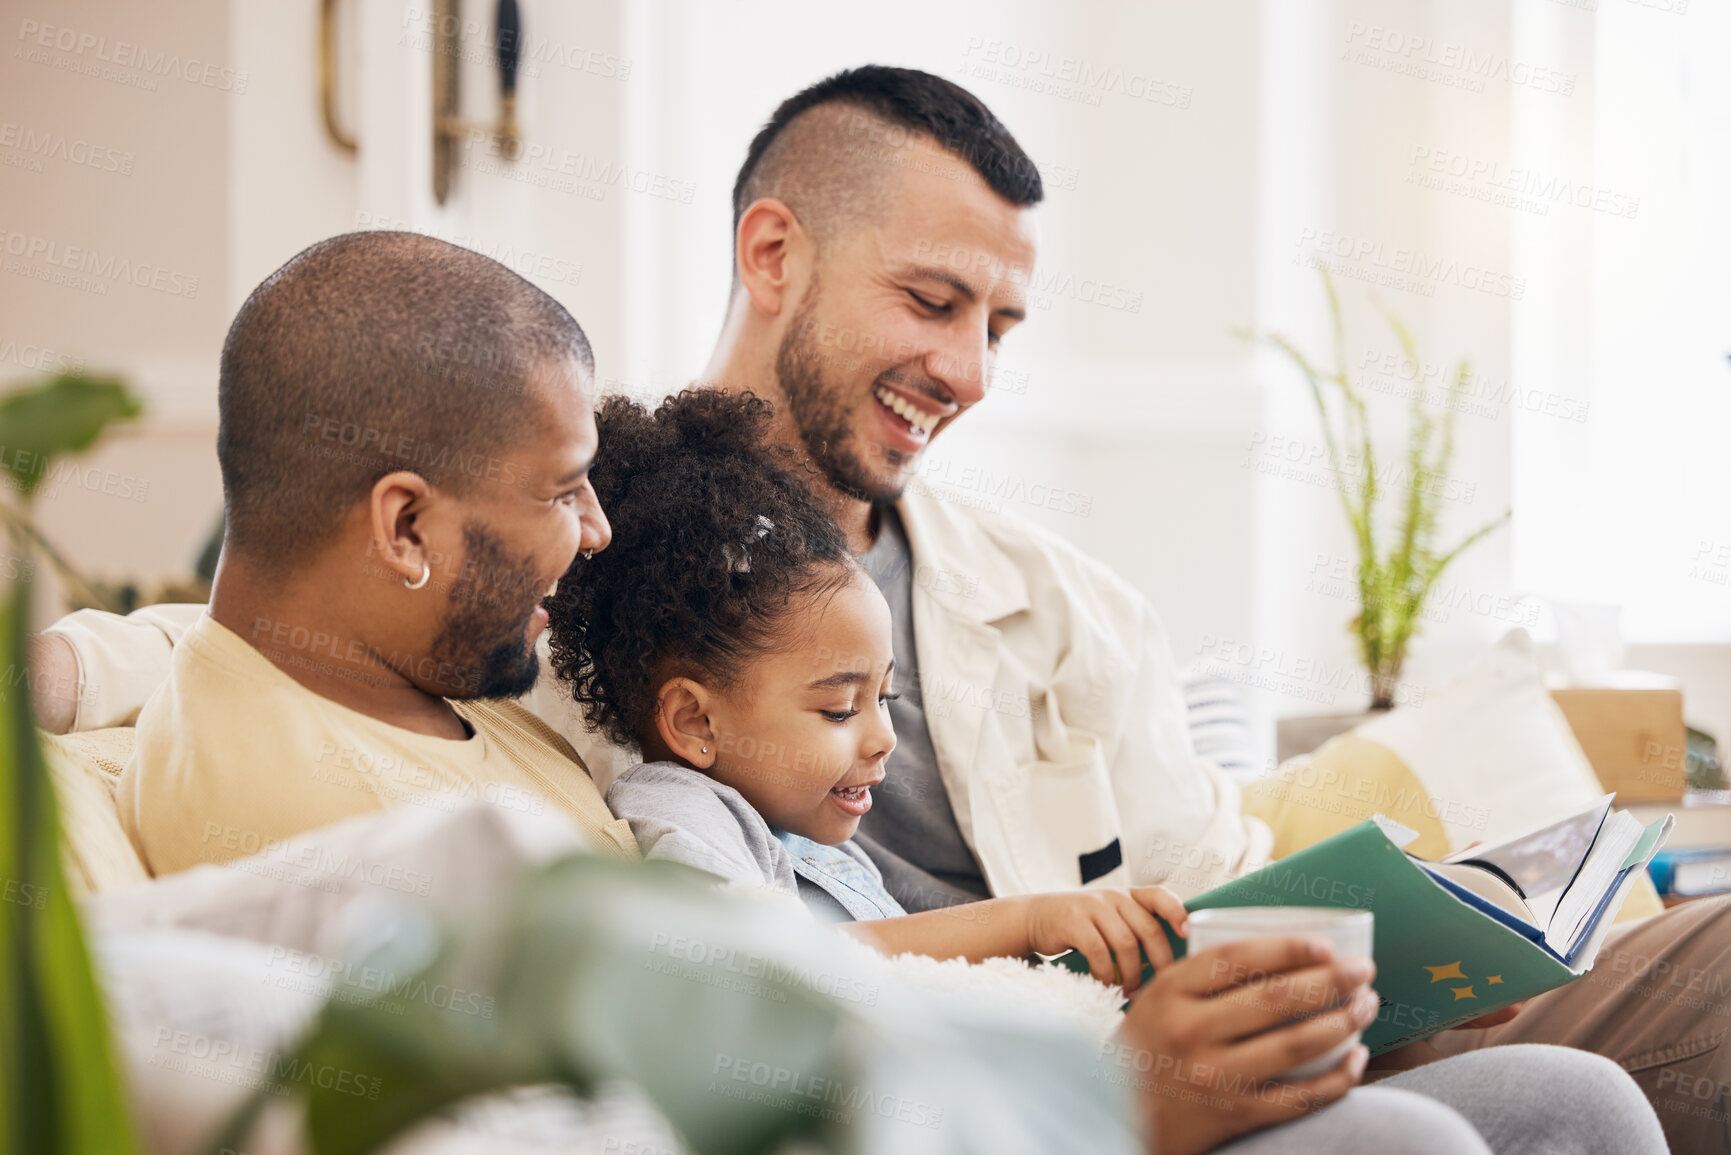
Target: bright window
<point>1630,311</point>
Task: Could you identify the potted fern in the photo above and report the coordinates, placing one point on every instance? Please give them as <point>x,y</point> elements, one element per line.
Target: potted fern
<point>1400,553</point>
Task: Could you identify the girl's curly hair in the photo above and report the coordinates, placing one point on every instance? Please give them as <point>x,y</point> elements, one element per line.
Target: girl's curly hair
<point>714,532</point>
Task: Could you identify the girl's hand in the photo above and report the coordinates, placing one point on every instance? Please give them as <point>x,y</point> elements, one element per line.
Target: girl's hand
<point>1110,927</point>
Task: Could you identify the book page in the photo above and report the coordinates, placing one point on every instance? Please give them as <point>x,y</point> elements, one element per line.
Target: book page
<point>1487,886</point>
<point>1598,874</point>
<point>1542,863</point>
<point>1653,835</point>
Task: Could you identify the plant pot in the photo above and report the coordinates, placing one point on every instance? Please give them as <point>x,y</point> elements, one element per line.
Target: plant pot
<point>1304,733</point>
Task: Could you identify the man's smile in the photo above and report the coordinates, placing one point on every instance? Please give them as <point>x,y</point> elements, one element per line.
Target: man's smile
<point>909,418</point>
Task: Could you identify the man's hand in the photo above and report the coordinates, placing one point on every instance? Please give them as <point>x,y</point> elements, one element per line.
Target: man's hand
<point>1421,1051</point>
<point>1110,927</point>
<point>53,682</point>
<point>1494,1019</point>
<point>1207,1038</point>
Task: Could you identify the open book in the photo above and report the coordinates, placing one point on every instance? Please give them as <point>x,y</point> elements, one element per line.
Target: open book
<point>1462,938</point>
<point>1552,885</point>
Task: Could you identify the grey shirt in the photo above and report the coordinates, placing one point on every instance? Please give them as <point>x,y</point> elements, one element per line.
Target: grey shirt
<point>681,815</point>
<point>911,831</point>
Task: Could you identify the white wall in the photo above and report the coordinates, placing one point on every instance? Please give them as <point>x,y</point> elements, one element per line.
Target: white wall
<point>1339,136</point>
<point>142,503</point>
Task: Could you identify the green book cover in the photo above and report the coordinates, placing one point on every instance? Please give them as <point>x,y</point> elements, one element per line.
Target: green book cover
<point>1439,961</point>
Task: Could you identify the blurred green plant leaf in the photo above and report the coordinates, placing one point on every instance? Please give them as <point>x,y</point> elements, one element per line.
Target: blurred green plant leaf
<point>65,415</point>
<point>59,1091</point>
<point>582,989</point>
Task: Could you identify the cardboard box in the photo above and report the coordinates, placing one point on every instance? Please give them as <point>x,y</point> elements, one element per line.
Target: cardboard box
<point>1635,739</point>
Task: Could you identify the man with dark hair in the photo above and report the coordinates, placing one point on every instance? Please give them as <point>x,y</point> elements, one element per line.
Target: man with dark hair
<point>333,674</point>
<point>884,237</point>
<point>829,152</point>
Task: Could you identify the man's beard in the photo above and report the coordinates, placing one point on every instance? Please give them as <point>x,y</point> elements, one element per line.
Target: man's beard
<point>821,416</point>
<point>483,635</point>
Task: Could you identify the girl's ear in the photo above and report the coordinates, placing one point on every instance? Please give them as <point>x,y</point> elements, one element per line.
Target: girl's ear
<point>682,719</point>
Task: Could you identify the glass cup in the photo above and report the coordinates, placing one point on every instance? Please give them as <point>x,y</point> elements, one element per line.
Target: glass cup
<point>1351,932</point>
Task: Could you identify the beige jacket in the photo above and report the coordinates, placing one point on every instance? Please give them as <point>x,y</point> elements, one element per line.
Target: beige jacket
<point>1057,715</point>
<point>1050,689</point>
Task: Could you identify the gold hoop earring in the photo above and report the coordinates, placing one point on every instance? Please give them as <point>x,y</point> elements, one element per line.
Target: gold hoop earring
<point>426,572</point>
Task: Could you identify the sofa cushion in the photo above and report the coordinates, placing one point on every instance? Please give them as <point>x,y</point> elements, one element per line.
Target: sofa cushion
<point>84,769</point>
<point>1348,779</point>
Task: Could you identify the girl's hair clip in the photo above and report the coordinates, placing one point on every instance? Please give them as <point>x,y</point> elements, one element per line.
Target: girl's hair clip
<point>737,555</point>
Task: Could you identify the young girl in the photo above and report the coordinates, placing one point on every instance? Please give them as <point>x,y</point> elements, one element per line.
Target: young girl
<point>731,637</point>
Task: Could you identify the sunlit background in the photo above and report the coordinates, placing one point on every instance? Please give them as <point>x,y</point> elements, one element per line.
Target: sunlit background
<point>1540,188</point>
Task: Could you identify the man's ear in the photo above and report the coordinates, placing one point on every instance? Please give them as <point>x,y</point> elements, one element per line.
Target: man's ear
<point>769,245</point>
<point>396,501</point>
<point>682,719</point>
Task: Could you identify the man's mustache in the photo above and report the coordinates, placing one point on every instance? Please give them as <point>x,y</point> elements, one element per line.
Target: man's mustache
<point>925,387</point>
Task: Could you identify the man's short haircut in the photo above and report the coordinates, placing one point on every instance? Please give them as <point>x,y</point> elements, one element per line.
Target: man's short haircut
<point>370,353</point>
<point>826,151</point>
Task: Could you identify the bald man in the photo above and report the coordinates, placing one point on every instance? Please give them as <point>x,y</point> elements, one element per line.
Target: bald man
<point>390,528</point>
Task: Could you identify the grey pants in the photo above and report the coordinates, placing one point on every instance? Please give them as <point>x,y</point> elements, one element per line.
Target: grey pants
<point>1511,1100</point>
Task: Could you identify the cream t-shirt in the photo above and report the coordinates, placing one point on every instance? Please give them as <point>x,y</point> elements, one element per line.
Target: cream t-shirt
<point>234,756</point>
